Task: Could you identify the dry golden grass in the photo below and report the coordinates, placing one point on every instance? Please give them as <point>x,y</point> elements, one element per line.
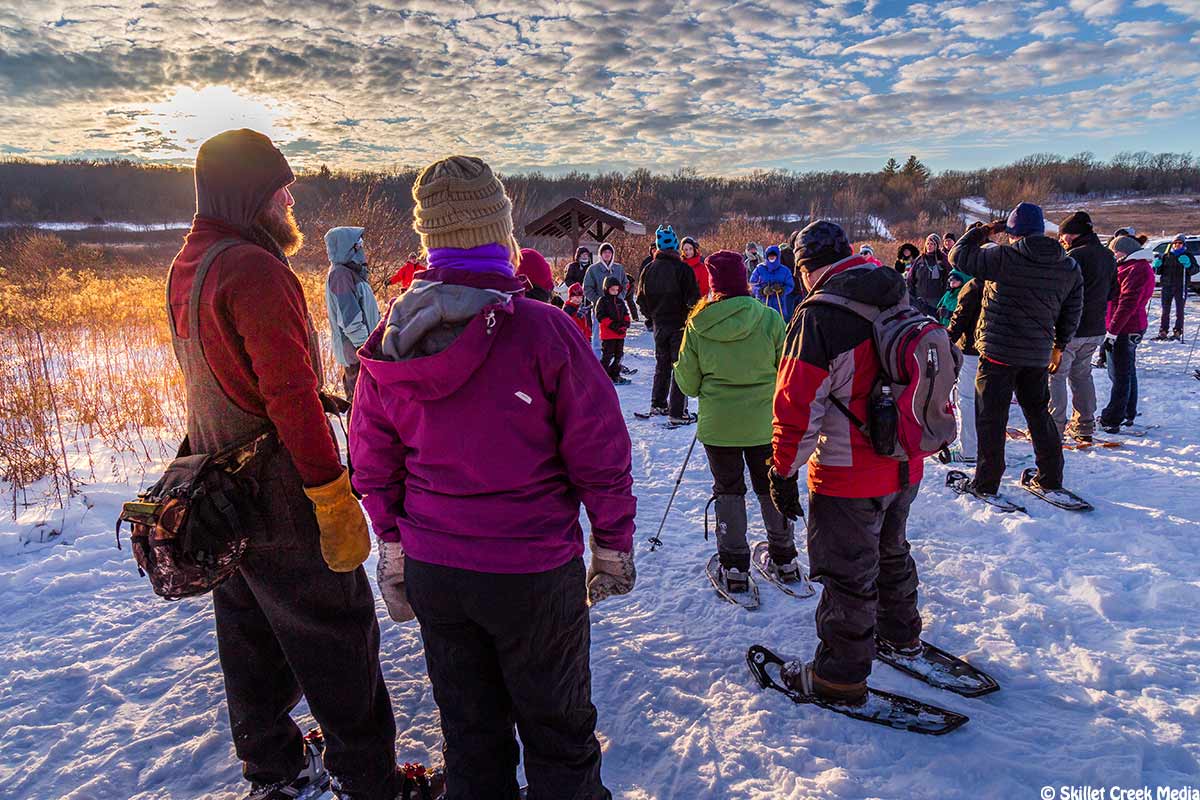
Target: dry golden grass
<point>86,369</point>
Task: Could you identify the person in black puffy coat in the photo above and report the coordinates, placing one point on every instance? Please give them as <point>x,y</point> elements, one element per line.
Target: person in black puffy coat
<point>1032,300</point>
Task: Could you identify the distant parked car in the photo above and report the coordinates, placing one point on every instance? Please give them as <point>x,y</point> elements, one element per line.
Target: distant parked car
<point>1159,246</point>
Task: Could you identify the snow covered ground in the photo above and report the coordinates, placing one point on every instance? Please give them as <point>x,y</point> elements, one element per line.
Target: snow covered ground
<point>1088,622</point>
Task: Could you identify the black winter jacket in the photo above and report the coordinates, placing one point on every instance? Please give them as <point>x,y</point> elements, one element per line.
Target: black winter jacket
<point>667,290</point>
<point>927,279</point>
<point>1031,301</point>
<point>575,273</point>
<point>1099,268</point>
<point>965,319</point>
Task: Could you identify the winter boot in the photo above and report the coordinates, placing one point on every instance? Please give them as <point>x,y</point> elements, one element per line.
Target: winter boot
<point>908,650</point>
<point>803,678</point>
<point>1162,336</point>
<point>686,419</point>
<point>734,580</point>
<point>658,411</point>
<point>312,780</point>
<point>1177,336</point>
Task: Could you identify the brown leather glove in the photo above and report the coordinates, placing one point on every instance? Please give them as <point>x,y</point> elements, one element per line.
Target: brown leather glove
<point>1055,360</point>
<point>390,576</point>
<point>345,542</point>
<point>612,572</point>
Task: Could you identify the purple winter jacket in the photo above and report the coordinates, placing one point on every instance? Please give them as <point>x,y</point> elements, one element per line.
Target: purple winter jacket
<point>478,457</point>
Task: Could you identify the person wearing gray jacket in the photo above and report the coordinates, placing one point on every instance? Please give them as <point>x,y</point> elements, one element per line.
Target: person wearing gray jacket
<point>593,280</point>
<point>349,300</point>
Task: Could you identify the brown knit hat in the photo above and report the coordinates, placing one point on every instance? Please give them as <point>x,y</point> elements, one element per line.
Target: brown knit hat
<point>461,204</point>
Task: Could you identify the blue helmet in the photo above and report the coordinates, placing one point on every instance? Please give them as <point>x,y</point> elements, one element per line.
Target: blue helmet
<point>665,238</point>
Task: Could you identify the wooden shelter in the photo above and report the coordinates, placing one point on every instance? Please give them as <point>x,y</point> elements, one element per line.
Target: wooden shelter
<point>574,218</point>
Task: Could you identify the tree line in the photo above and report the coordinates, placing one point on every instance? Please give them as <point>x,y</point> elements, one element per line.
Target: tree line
<point>906,195</point>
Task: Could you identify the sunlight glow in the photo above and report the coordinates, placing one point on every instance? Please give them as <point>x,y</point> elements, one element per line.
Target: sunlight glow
<point>179,125</point>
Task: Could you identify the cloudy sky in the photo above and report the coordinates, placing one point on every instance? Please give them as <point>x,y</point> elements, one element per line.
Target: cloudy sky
<point>724,87</point>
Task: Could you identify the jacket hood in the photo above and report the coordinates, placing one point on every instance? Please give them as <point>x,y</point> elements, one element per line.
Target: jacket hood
<point>435,338</point>
<point>1044,250</point>
<point>237,172</point>
<point>730,320</point>
<point>772,251</point>
<point>580,251</point>
<point>865,282</point>
<point>339,246</point>
<point>1086,240</point>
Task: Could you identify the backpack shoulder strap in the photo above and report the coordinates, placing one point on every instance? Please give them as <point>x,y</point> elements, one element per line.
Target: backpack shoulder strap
<point>865,310</point>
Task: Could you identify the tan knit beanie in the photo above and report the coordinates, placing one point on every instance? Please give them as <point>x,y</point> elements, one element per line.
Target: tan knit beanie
<point>461,204</point>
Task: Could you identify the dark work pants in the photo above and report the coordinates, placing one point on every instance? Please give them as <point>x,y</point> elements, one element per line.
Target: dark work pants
<point>1172,295</point>
<point>350,380</point>
<point>994,387</point>
<point>288,626</point>
<point>505,649</point>
<point>1122,371</point>
<point>728,466</point>
<point>860,554</point>
<point>665,392</point>
<point>611,353</point>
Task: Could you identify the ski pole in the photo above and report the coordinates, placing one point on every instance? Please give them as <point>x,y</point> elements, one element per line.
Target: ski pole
<point>656,542</point>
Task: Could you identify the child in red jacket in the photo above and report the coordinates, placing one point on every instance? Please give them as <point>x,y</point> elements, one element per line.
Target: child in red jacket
<point>577,311</point>
<point>612,314</point>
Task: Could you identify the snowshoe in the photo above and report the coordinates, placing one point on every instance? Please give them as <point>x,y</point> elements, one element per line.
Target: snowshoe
<point>621,381</point>
<point>790,577</point>
<point>655,411</point>
<point>1061,498</point>
<point>936,667</point>
<point>680,422</point>
<point>628,370</point>
<point>1162,337</point>
<point>961,483</point>
<point>734,585</point>
<point>312,782</point>
<point>880,708</point>
<point>1131,428</point>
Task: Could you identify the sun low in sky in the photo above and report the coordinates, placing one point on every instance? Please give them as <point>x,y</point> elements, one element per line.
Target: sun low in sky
<point>181,124</point>
<point>722,86</point>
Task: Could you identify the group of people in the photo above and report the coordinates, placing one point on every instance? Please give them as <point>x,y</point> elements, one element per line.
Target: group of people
<point>482,420</point>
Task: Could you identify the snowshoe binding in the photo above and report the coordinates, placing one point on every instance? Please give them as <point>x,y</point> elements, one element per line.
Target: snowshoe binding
<point>312,781</point>
<point>790,577</point>
<point>734,585</point>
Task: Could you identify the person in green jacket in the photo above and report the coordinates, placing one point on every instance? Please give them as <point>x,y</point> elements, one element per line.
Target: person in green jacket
<point>730,354</point>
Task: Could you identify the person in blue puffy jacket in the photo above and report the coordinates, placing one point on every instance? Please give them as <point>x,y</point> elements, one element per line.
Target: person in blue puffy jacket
<point>772,282</point>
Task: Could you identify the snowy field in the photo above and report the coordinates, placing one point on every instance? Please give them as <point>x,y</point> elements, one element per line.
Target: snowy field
<point>1087,621</point>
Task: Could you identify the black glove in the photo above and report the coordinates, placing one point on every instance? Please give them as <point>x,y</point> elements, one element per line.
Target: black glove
<point>785,494</point>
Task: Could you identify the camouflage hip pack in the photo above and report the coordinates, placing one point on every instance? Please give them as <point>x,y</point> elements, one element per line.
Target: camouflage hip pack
<point>190,529</point>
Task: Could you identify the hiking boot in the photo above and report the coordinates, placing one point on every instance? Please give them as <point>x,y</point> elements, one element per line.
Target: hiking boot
<point>311,778</point>
<point>787,572</point>
<point>1110,428</point>
<point>686,419</point>
<point>1177,336</point>
<point>802,678</point>
<point>1162,336</point>
<point>1081,438</point>
<point>907,650</point>
<point>659,411</point>
<point>734,580</point>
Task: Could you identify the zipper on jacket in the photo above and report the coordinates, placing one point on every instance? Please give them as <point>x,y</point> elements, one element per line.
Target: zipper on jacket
<point>490,316</point>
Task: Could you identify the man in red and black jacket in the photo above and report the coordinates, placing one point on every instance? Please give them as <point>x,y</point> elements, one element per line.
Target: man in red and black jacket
<point>298,617</point>
<point>858,502</point>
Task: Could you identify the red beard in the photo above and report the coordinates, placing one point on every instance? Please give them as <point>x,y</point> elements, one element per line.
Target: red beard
<point>282,227</point>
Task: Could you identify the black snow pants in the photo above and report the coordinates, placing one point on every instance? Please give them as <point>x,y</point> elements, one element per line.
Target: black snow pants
<point>859,552</point>
<point>994,388</point>
<point>289,626</point>
<point>665,392</point>
<point>504,650</point>
<point>728,466</point>
<point>611,353</point>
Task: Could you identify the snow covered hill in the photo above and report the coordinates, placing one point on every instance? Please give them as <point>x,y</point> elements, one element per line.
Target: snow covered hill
<point>1088,622</point>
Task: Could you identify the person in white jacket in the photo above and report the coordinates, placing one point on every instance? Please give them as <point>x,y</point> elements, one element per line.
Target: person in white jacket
<point>349,300</point>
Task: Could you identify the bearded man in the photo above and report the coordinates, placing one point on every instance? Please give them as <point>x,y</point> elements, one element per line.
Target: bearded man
<point>298,617</point>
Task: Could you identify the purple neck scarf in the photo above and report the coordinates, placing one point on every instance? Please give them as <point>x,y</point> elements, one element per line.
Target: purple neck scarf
<point>486,258</point>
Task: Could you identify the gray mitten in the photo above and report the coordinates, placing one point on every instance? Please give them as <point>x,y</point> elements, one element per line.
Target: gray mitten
<point>390,575</point>
<point>612,572</point>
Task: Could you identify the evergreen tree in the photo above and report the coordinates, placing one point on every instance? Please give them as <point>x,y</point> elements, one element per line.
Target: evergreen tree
<point>913,168</point>
<point>891,167</point>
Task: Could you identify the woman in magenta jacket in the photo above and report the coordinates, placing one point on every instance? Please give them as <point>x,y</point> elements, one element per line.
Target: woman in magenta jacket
<point>1126,323</point>
<point>482,421</point>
